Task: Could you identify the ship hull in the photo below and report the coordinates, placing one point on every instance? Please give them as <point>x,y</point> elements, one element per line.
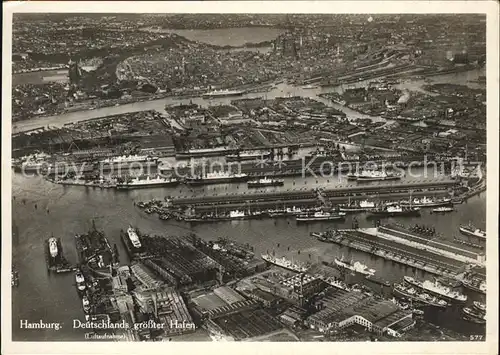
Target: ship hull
<point>354,209</point>
<point>127,165</point>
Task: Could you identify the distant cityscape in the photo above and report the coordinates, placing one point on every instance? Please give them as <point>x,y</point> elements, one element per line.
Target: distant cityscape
<point>232,177</point>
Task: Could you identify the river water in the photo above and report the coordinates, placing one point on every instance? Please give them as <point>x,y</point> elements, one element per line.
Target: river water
<point>64,211</point>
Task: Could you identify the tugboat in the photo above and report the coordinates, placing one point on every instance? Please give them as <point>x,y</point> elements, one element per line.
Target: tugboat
<point>320,216</point>
<point>470,230</point>
<point>266,182</point>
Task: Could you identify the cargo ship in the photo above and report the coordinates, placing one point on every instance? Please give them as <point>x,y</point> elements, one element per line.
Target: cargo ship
<point>319,216</point>
<point>289,211</point>
<point>148,182</point>
<point>474,284</point>
<point>216,178</point>
<point>222,93</point>
<point>426,202</point>
<point>231,216</point>
<point>472,231</point>
<point>265,182</point>
<point>205,152</point>
<point>355,266</point>
<point>411,293</point>
<point>437,289</point>
<point>332,281</point>
<point>357,207</point>
<point>244,156</point>
<point>373,175</point>
<point>284,263</point>
<point>394,210</point>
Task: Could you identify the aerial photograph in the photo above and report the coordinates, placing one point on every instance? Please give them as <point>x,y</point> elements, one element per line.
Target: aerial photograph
<point>248,177</point>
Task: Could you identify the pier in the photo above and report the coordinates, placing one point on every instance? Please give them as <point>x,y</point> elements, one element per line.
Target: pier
<point>418,258</point>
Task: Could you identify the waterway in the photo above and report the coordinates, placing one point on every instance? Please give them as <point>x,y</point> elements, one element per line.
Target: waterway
<point>64,211</point>
<point>280,90</point>
<point>233,37</point>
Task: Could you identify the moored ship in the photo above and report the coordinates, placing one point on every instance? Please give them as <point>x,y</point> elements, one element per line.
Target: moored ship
<point>472,231</point>
<point>80,281</point>
<point>223,93</point>
<point>481,307</point>
<point>320,216</point>
<point>421,297</point>
<point>426,202</point>
<point>474,315</point>
<point>284,263</point>
<point>148,182</point>
<point>442,209</point>
<point>373,175</point>
<point>244,156</point>
<point>357,207</point>
<point>204,152</point>
<point>265,182</point>
<point>355,266</point>
<point>475,284</point>
<point>216,178</point>
<point>395,210</point>
<point>437,289</point>
<point>231,216</point>
<point>127,159</point>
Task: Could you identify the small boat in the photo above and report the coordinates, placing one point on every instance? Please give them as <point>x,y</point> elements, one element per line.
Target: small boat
<point>469,312</point>
<point>53,249</point>
<point>418,312</point>
<point>481,307</point>
<point>85,304</point>
<point>442,209</point>
<point>80,281</point>
<point>470,230</point>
